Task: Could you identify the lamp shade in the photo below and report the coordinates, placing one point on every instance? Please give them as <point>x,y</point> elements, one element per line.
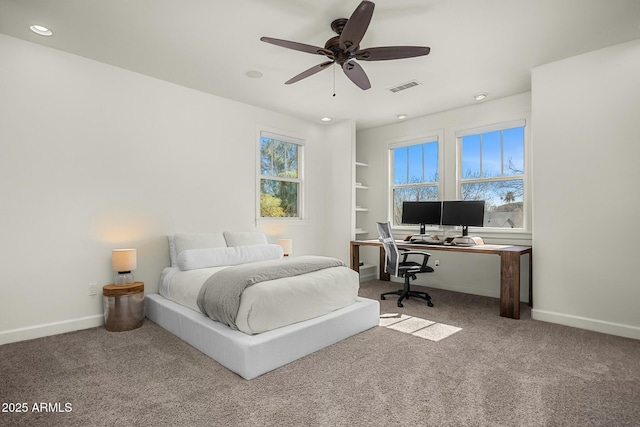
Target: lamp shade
<point>123,260</point>
<point>287,246</point>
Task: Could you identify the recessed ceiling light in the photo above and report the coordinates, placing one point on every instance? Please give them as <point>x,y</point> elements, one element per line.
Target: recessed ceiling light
<point>326,119</point>
<point>401,116</point>
<point>479,96</point>
<point>39,29</point>
<point>254,74</point>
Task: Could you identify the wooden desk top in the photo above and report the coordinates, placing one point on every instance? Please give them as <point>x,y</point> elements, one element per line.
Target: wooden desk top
<point>487,249</point>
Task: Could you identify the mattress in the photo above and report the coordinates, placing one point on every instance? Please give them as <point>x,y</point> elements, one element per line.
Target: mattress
<point>272,304</point>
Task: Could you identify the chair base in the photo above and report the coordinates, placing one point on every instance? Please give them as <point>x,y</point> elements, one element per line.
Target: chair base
<point>408,293</point>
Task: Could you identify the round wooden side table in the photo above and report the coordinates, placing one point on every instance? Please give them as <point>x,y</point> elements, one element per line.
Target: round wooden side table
<point>123,306</point>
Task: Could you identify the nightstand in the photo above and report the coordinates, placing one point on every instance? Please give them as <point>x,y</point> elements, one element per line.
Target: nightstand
<point>123,307</point>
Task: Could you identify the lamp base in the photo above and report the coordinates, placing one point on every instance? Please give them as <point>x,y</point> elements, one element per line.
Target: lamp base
<point>124,278</point>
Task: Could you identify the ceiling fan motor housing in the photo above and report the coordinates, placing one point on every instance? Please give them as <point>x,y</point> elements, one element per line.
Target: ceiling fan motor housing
<point>339,55</point>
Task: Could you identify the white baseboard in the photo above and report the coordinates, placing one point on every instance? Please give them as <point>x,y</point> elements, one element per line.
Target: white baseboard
<point>462,289</point>
<point>493,293</point>
<point>596,325</point>
<point>48,329</point>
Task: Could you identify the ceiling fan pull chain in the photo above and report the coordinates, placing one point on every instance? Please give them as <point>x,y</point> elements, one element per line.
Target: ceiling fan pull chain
<point>334,79</point>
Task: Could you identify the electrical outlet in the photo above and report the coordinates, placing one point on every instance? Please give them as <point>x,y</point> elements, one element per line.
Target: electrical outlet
<point>93,289</point>
<point>436,262</point>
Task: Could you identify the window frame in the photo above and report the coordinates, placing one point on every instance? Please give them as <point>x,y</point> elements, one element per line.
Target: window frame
<point>284,137</point>
<point>429,137</point>
<point>525,176</point>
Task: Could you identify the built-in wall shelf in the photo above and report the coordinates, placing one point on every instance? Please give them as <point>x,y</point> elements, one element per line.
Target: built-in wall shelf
<point>359,232</point>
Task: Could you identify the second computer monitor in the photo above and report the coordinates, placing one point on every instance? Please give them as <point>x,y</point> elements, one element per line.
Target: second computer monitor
<point>464,213</point>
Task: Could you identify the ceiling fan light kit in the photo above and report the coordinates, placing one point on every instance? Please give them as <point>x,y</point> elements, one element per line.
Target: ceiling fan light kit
<point>344,49</point>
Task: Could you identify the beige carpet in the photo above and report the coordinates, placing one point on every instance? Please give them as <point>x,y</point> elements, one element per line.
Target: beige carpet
<point>493,372</point>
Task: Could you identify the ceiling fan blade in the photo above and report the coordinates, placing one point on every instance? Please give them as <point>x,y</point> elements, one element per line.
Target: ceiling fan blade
<point>356,26</point>
<point>391,52</point>
<point>298,46</point>
<point>356,74</point>
<point>311,71</point>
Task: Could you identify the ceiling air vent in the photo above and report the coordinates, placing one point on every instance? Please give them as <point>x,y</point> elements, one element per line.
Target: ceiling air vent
<point>404,86</point>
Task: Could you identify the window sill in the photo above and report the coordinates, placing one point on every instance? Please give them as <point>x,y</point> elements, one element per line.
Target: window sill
<point>292,221</point>
<point>513,237</point>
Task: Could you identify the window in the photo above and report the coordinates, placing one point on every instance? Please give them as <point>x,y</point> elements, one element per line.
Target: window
<point>414,172</point>
<point>492,169</point>
<point>280,176</point>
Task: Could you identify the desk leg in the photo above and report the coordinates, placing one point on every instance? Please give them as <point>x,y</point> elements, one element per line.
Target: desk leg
<point>383,260</point>
<point>510,285</point>
<point>355,257</point>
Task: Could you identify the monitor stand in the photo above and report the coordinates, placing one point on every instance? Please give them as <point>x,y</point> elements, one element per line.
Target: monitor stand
<point>426,238</point>
<point>467,241</point>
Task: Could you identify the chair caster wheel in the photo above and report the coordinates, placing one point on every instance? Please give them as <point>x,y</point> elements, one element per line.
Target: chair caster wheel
<point>382,297</point>
<point>400,304</point>
<point>429,303</point>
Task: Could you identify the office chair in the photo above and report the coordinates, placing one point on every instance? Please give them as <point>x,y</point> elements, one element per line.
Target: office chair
<point>396,263</point>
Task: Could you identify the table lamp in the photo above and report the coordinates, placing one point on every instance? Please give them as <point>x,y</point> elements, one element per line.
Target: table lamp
<point>123,261</point>
<point>287,246</point>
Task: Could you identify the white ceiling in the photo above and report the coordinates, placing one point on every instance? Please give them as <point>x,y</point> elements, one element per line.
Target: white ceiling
<point>476,46</point>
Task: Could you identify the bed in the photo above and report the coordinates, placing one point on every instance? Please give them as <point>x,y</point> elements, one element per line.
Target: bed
<point>278,320</point>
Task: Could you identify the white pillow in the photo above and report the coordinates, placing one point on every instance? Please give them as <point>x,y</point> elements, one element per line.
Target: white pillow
<point>182,241</point>
<point>192,259</point>
<point>244,238</point>
<point>186,241</point>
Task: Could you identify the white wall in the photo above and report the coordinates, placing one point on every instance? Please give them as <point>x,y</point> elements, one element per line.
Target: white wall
<point>93,157</point>
<point>476,274</point>
<point>340,144</point>
<point>586,111</point>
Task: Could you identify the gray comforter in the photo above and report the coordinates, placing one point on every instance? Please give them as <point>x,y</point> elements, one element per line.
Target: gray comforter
<point>219,296</point>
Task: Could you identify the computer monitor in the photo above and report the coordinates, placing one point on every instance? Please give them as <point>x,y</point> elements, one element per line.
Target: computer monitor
<point>421,213</point>
<point>464,213</point>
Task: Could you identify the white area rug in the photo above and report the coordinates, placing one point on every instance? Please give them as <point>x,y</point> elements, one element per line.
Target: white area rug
<point>415,326</point>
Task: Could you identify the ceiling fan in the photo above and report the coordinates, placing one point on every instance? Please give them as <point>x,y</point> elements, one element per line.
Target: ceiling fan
<point>344,48</point>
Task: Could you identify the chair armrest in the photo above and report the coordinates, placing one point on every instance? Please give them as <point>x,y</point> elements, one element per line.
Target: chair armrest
<point>425,256</point>
<point>417,253</point>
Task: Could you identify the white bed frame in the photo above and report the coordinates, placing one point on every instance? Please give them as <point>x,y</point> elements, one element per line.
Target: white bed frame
<point>252,355</point>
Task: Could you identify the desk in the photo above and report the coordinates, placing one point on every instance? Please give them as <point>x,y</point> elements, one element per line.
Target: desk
<point>509,267</point>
